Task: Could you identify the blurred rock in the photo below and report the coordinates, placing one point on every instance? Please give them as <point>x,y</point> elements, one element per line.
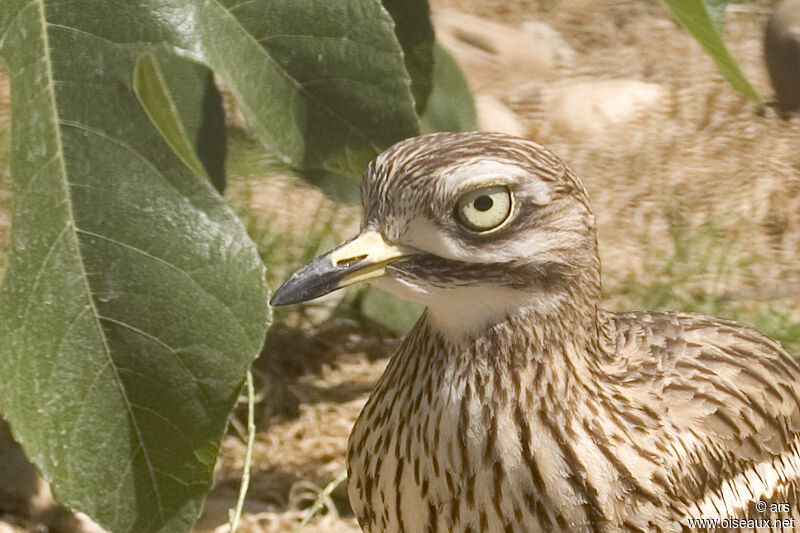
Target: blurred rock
<point>593,108</point>
<point>782,54</point>
<point>61,520</point>
<point>494,115</point>
<point>5,527</point>
<point>542,32</point>
<point>495,57</point>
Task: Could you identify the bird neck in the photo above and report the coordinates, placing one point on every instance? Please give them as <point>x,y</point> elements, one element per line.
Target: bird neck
<point>550,296</point>
<point>551,301</point>
<point>554,349</point>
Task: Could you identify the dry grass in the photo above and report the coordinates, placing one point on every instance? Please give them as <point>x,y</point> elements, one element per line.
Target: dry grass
<point>314,380</point>
<point>701,150</point>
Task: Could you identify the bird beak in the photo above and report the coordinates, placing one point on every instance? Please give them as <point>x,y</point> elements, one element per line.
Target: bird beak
<point>363,258</point>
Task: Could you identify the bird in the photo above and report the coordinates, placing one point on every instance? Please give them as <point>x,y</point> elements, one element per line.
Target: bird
<point>516,403</point>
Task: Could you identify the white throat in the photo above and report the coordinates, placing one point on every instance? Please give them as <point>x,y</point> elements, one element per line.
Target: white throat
<point>461,313</point>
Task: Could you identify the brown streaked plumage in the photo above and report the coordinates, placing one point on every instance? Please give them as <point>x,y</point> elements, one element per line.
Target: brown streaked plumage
<point>515,403</point>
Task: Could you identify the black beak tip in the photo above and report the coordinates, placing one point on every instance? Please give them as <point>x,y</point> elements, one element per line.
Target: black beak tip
<point>278,298</point>
<point>287,294</point>
<point>317,278</point>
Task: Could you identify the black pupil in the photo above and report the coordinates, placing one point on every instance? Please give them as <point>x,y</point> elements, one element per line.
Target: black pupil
<point>483,203</point>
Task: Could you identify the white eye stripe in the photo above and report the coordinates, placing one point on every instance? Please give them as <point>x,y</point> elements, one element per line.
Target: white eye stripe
<point>485,208</point>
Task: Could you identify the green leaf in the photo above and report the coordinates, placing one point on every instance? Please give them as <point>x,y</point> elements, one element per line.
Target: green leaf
<point>322,82</point>
<point>191,87</point>
<point>450,107</point>
<point>450,104</point>
<point>696,17</point>
<point>152,91</point>
<point>341,188</point>
<point>133,302</point>
<point>198,139</point>
<point>716,11</point>
<point>415,32</point>
<point>390,312</point>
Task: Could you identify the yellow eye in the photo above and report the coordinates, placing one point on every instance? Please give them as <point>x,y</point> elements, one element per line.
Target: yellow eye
<point>484,209</point>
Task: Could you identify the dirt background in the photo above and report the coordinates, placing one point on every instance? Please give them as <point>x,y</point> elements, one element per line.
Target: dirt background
<point>668,151</point>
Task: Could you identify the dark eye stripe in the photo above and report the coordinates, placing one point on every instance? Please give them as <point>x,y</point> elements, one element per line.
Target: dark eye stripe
<point>449,272</point>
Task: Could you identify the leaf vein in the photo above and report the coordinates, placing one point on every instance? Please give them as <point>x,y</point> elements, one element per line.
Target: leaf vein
<point>167,263</point>
<point>106,349</point>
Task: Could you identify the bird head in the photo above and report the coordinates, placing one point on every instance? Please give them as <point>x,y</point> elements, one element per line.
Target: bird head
<point>475,226</point>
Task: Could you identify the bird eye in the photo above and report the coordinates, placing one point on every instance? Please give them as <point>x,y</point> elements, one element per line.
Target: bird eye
<point>484,209</point>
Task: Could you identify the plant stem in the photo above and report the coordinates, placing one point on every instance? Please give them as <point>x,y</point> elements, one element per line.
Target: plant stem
<point>318,503</point>
<point>251,437</point>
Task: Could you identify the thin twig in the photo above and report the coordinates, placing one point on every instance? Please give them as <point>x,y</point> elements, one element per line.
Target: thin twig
<point>320,501</point>
<point>236,515</point>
